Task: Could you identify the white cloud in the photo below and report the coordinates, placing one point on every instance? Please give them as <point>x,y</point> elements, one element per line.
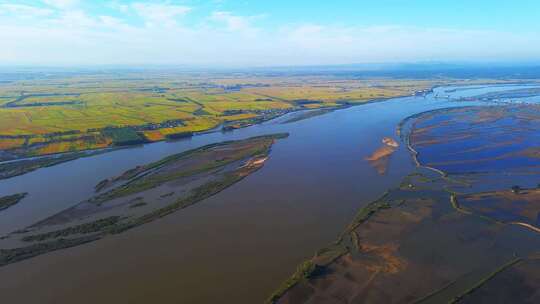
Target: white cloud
<point>71,36</point>
<point>62,4</point>
<point>124,8</point>
<point>23,11</point>
<point>112,22</point>
<point>76,19</point>
<point>160,14</point>
<point>233,23</point>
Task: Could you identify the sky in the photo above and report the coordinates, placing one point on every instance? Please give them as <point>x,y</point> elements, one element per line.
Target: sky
<point>227,33</point>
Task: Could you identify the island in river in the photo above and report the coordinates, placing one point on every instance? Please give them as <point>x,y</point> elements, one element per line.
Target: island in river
<point>10,200</point>
<point>141,195</point>
<point>381,157</point>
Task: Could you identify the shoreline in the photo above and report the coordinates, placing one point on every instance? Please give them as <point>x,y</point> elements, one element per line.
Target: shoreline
<point>55,158</point>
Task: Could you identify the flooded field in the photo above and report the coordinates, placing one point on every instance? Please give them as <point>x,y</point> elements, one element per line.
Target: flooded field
<point>439,226</point>
<point>257,231</point>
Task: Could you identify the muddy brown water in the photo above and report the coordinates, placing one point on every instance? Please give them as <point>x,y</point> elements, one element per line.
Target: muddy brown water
<point>235,247</point>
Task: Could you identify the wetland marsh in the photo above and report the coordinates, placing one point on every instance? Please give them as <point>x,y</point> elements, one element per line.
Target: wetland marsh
<point>466,217</point>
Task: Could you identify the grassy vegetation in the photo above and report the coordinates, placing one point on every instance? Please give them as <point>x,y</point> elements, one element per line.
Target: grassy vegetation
<point>306,115</point>
<point>309,268</point>
<point>8,256</point>
<point>46,116</point>
<point>304,271</point>
<point>138,204</point>
<point>123,136</point>
<point>485,280</point>
<point>455,204</point>
<point>92,227</point>
<point>10,200</point>
<point>198,194</point>
<point>11,169</point>
<point>329,254</point>
<point>147,182</point>
<point>366,212</point>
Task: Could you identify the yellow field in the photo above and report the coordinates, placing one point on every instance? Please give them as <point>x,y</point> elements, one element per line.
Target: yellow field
<point>39,112</point>
<point>10,143</point>
<point>71,146</point>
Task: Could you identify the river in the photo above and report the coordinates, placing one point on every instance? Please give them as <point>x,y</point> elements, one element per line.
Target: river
<point>235,247</point>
